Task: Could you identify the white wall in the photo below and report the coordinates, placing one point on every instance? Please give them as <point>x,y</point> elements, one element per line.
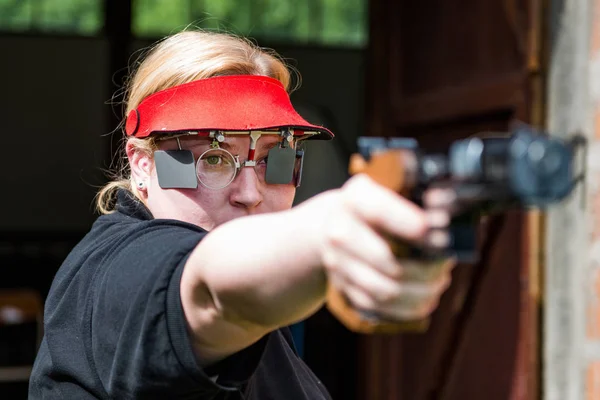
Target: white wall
<point>570,356</point>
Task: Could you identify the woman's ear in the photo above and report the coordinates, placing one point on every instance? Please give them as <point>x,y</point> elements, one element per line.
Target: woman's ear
<point>141,165</point>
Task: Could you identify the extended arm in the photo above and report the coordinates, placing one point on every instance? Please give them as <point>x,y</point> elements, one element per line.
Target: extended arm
<point>278,270</point>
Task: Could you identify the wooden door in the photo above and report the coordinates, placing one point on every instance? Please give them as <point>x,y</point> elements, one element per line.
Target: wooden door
<point>441,70</point>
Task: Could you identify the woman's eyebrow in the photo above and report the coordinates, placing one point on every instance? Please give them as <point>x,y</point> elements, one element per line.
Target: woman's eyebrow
<point>233,147</point>
<point>197,142</point>
<point>268,146</point>
<point>207,143</point>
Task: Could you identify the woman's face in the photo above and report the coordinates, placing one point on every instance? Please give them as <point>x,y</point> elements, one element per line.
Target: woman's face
<point>208,208</point>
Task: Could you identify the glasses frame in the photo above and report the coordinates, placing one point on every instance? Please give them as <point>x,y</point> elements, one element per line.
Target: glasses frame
<point>219,136</point>
<point>237,164</point>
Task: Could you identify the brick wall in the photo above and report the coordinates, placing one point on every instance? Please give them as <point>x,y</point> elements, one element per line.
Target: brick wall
<point>591,356</point>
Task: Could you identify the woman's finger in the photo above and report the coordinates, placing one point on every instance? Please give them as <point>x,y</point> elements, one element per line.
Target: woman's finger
<point>360,300</point>
<point>426,270</point>
<point>357,240</point>
<point>368,279</point>
<point>384,209</point>
<point>420,303</point>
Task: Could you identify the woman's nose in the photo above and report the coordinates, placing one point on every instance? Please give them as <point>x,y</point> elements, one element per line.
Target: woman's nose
<point>245,191</point>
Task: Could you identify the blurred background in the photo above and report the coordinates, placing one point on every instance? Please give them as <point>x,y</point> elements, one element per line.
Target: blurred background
<point>63,62</point>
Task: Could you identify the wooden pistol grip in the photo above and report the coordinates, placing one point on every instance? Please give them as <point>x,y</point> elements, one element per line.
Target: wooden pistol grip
<point>388,169</point>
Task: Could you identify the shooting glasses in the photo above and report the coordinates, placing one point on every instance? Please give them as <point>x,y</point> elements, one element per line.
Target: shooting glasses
<point>216,167</point>
<point>217,108</point>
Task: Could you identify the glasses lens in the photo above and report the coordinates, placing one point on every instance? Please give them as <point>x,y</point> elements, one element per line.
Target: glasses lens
<point>216,168</point>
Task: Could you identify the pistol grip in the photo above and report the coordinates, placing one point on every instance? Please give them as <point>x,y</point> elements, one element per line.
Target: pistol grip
<point>388,169</point>
<point>366,322</point>
<point>362,322</point>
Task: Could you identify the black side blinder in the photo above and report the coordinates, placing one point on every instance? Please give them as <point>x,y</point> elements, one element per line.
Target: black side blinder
<point>175,169</point>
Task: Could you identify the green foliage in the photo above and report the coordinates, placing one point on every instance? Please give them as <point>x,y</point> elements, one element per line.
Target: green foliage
<point>159,17</point>
<point>328,22</point>
<point>331,22</point>
<point>83,17</point>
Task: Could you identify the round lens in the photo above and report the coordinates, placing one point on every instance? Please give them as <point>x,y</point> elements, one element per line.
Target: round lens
<point>216,168</point>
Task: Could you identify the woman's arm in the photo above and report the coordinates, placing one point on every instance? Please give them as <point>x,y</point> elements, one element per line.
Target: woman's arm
<point>249,276</point>
<point>255,274</point>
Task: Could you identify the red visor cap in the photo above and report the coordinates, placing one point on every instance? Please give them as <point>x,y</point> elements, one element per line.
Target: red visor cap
<point>226,103</point>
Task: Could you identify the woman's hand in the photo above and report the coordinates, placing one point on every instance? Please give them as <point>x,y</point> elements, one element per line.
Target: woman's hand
<point>359,261</point>
<point>238,285</point>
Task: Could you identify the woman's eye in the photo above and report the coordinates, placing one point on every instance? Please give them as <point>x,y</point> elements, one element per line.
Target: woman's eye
<point>263,161</point>
<point>213,160</point>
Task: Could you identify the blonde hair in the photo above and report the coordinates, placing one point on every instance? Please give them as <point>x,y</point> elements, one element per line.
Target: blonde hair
<point>181,58</point>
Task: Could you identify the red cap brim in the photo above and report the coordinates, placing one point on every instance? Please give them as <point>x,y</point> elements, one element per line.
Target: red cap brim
<point>225,103</point>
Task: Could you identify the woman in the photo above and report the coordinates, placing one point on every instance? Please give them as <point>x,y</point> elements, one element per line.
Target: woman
<point>185,286</point>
